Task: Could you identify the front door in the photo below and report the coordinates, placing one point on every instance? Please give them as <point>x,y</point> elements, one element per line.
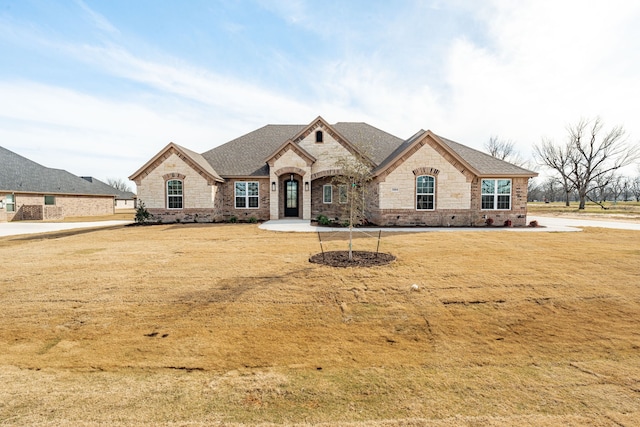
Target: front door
<point>291,198</point>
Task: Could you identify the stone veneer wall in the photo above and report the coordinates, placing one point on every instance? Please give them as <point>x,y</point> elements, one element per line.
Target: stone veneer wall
<point>473,217</point>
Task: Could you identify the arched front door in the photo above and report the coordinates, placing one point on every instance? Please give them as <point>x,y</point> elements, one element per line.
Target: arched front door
<point>291,198</point>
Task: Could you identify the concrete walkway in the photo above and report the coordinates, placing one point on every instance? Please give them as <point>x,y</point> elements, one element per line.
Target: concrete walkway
<point>19,227</point>
<point>546,225</point>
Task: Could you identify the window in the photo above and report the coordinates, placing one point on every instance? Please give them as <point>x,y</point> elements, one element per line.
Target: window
<point>342,194</point>
<point>425,193</point>
<point>327,194</point>
<point>246,195</point>
<point>174,194</point>
<point>49,200</point>
<point>319,136</point>
<point>10,203</point>
<point>496,194</point>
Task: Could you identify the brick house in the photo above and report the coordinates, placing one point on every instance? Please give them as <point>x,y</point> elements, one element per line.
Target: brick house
<point>286,171</point>
<point>30,191</point>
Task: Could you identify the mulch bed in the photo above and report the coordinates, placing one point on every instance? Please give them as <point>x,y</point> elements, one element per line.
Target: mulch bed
<point>360,259</point>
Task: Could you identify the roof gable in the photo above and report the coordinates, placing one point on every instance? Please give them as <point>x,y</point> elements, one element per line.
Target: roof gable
<point>290,146</point>
<point>466,159</point>
<point>193,159</point>
<point>320,123</point>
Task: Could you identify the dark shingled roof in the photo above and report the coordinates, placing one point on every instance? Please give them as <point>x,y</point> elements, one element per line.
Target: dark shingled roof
<point>484,163</point>
<point>370,141</point>
<point>120,195</point>
<point>246,155</point>
<point>19,174</point>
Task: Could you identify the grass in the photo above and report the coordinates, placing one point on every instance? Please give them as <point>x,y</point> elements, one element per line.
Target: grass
<point>620,209</point>
<point>196,324</point>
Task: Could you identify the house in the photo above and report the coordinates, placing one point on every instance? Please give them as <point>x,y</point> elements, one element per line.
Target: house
<point>124,199</point>
<point>30,191</point>
<point>286,171</point>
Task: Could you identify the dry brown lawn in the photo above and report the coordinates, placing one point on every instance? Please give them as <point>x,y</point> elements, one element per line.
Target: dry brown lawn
<point>230,325</point>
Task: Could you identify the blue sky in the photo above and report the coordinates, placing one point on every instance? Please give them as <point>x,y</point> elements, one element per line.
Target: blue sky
<point>99,87</point>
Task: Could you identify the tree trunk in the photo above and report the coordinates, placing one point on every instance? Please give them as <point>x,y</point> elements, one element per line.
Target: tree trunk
<point>583,198</point>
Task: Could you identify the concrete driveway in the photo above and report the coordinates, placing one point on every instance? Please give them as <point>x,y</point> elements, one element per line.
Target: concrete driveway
<point>19,227</point>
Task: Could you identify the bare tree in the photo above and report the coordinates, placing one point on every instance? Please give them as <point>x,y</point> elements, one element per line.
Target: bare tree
<point>503,149</point>
<point>634,187</point>
<point>119,184</point>
<point>588,156</point>
<point>558,159</point>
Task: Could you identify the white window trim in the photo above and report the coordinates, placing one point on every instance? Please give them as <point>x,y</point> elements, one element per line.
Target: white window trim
<point>495,194</point>
<point>12,203</point>
<point>175,195</point>
<point>246,196</point>
<point>324,200</point>
<point>427,194</point>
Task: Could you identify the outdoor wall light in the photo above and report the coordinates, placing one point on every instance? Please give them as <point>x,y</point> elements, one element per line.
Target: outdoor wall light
<point>306,186</point>
<point>273,186</point>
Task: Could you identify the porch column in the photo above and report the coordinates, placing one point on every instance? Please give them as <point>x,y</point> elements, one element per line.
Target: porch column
<point>273,196</point>
<point>306,195</point>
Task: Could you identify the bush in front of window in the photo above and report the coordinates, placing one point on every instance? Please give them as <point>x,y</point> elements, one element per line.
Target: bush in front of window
<point>233,219</point>
<point>489,221</point>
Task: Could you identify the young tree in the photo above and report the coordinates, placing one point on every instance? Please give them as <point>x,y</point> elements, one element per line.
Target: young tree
<point>119,184</point>
<point>354,190</point>
<point>588,156</point>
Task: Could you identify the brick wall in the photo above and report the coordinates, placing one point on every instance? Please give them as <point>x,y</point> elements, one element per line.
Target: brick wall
<point>31,207</point>
<point>318,207</point>
<point>228,200</point>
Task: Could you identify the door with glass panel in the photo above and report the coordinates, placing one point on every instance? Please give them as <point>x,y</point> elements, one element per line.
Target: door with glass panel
<point>291,198</point>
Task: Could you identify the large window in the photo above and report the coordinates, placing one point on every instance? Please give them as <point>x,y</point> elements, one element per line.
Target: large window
<point>246,195</point>
<point>496,194</point>
<point>174,194</point>
<point>425,193</point>
<point>327,194</point>
<point>10,202</point>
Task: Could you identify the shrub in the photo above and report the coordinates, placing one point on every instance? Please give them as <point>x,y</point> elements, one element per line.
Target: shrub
<point>533,223</point>
<point>233,219</point>
<point>142,214</point>
<point>323,220</point>
<point>508,223</point>
<point>489,221</point>
<point>253,220</point>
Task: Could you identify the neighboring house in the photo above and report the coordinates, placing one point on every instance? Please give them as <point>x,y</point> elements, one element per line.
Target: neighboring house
<point>30,191</point>
<point>286,171</point>
<point>124,199</point>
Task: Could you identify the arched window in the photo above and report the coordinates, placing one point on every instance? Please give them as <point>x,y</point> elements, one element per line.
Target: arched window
<point>319,136</point>
<point>425,193</point>
<point>174,194</point>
